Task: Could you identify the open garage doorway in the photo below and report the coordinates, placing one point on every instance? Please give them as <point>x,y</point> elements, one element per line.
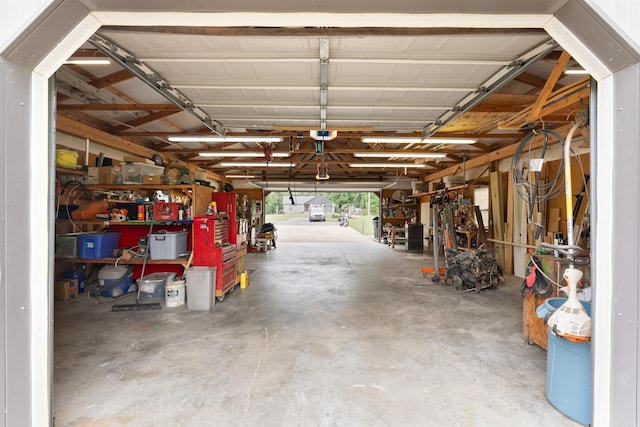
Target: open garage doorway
<point>39,318</point>
<point>322,215</point>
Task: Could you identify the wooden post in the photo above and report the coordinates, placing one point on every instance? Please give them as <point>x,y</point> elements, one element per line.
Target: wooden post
<point>482,235</point>
<point>495,190</point>
<point>508,255</point>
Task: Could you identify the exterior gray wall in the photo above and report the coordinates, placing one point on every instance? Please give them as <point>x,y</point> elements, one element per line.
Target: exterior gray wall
<point>15,90</point>
<point>626,253</point>
<point>3,239</point>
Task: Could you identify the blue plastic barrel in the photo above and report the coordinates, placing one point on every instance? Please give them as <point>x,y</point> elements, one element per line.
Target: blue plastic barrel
<point>569,373</point>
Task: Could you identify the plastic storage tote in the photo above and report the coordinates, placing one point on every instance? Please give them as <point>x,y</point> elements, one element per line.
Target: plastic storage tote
<point>97,245</point>
<point>167,245</point>
<point>152,285</point>
<point>132,173</point>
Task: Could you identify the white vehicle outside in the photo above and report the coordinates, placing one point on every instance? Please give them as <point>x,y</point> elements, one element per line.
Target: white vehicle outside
<point>316,213</point>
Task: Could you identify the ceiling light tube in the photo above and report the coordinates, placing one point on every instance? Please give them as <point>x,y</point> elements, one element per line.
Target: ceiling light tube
<point>396,140</point>
<point>225,139</point>
<point>239,176</point>
<point>87,61</point>
<point>400,154</point>
<point>239,154</point>
<point>575,70</point>
<point>387,165</point>
<point>449,141</point>
<point>257,164</point>
<point>390,140</point>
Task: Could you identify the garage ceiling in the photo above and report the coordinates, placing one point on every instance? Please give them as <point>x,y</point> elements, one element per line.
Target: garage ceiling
<point>321,90</point>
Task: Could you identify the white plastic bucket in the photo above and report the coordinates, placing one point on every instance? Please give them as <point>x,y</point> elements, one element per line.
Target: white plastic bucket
<point>174,292</point>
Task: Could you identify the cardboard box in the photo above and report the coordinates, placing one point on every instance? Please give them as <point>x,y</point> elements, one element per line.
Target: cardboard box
<point>93,176</point>
<point>66,289</point>
<point>138,159</point>
<point>108,174</point>
<point>152,179</point>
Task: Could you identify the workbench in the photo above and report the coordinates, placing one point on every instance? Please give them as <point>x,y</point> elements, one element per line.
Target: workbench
<point>470,235</point>
<point>263,244</point>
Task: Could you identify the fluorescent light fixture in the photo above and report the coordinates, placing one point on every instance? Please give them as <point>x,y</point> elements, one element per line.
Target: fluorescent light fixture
<point>225,139</point>
<point>576,70</point>
<point>401,140</point>
<point>387,165</point>
<point>449,141</point>
<point>257,164</point>
<point>239,154</point>
<point>391,140</point>
<point>87,61</point>
<point>416,155</point>
<point>239,176</point>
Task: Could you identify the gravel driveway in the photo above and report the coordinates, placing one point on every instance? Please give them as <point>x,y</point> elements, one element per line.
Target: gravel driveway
<point>301,230</point>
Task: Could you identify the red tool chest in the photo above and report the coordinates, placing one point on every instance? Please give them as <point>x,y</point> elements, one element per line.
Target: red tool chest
<point>211,248</point>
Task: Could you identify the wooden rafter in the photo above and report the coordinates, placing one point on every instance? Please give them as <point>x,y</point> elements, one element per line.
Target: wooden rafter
<point>532,80</point>
<point>111,79</point>
<point>569,95</point>
<point>557,71</point>
<point>143,120</point>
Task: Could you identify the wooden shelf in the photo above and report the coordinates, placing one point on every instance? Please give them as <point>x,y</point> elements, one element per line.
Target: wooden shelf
<point>107,222</point>
<point>172,222</point>
<point>442,190</point>
<point>65,171</point>
<point>134,261</point>
<point>143,187</point>
<point>395,205</point>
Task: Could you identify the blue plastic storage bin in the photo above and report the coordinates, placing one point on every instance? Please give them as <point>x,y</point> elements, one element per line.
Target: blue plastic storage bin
<point>97,245</point>
<point>569,373</point>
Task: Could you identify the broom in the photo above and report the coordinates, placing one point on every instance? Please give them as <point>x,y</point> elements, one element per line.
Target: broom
<point>138,306</point>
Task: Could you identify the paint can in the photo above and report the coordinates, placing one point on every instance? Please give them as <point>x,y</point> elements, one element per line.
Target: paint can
<point>174,292</point>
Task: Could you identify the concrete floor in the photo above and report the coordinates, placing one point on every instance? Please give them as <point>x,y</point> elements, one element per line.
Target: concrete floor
<point>342,331</point>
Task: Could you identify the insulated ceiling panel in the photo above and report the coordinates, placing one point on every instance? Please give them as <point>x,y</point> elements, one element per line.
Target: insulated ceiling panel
<point>273,81</point>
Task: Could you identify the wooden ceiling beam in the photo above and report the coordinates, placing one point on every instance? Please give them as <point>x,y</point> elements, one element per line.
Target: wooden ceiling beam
<point>532,80</point>
<point>120,107</point>
<point>143,120</point>
<point>485,159</point>
<point>320,31</point>
<point>504,103</point>
<point>571,95</point>
<point>557,71</point>
<point>112,79</point>
<point>344,135</point>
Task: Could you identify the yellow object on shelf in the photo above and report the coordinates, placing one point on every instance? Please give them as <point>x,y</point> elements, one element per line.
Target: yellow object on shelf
<point>66,158</point>
<point>244,280</point>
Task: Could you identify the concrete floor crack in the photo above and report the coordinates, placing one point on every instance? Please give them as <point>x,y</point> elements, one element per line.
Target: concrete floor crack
<point>255,375</point>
